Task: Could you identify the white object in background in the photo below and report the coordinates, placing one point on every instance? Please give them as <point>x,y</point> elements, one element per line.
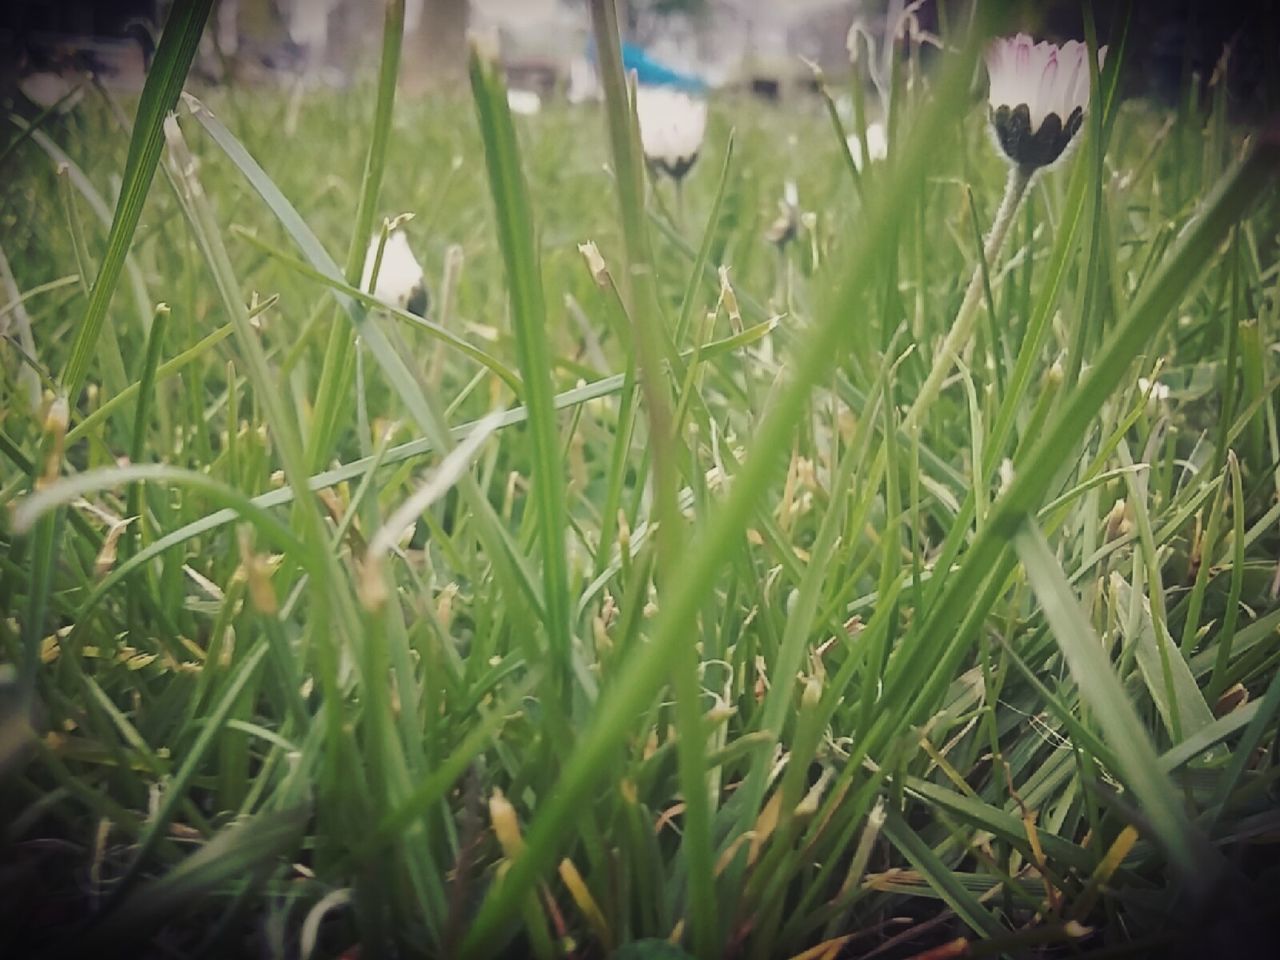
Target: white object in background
<point>583,83</point>
<point>308,24</point>
<point>672,125</point>
<point>400,280</point>
<point>46,88</point>
<point>877,144</point>
<point>524,102</point>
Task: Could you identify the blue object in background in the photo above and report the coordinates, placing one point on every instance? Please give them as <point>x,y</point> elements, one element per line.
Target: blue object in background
<point>650,72</point>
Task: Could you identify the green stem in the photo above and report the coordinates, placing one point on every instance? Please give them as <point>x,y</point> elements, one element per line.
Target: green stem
<point>164,82</point>
<point>138,448</point>
<point>962,328</point>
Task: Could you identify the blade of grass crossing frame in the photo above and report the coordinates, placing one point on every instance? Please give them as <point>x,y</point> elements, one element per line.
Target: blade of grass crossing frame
<point>334,389</point>
<point>137,450</point>
<point>168,72</point>
<point>1138,765</point>
<point>650,344</point>
<point>164,82</point>
<point>333,618</point>
<point>1172,686</point>
<point>704,250</point>
<point>1226,636</point>
<point>645,667</point>
<point>509,562</point>
<point>1038,468</point>
<point>529,319</point>
<point>940,877</point>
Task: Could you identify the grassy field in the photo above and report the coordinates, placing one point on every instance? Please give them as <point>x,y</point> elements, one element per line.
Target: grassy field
<point>731,629</point>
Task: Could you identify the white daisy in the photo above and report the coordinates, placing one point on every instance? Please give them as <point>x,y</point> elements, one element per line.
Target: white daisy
<point>783,230</point>
<point>877,144</point>
<point>400,280</point>
<point>583,83</point>
<point>672,125</point>
<point>1153,389</point>
<point>46,88</point>
<point>524,102</point>
<point>1155,394</point>
<point>1039,92</point>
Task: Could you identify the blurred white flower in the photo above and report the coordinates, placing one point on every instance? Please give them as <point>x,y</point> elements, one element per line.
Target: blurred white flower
<point>1156,394</point>
<point>1039,92</point>
<point>783,230</point>
<point>400,281</point>
<point>1156,390</point>
<point>1007,474</point>
<point>524,102</point>
<point>672,125</point>
<point>877,144</point>
<point>46,88</point>
<point>583,83</point>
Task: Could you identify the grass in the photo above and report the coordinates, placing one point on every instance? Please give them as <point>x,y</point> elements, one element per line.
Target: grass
<point>761,619</point>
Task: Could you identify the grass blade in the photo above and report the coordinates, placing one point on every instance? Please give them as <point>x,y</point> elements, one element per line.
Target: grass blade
<point>168,72</point>
<point>1198,864</point>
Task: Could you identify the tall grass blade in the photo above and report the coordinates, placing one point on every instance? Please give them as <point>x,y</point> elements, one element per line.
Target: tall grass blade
<point>1198,864</point>
<point>168,72</point>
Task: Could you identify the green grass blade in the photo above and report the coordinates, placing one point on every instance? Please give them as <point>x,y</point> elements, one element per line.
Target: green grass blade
<point>1181,696</point>
<point>940,877</point>
<point>339,360</point>
<point>1196,861</point>
<point>509,562</point>
<point>529,320</point>
<point>647,666</point>
<point>243,851</point>
<point>367,301</point>
<point>168,72</point>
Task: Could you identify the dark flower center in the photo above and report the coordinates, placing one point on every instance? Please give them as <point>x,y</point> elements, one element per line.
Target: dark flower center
<point>418,301</point>
<point>674,167</point>
<point>1032,150</point>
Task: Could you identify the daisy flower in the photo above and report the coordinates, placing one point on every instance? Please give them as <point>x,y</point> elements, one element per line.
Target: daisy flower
<point>1038,96</point>
<point>783,230</point>
<point>527,103</point>
<point>399,282</point>
<point>877,145</point>
<point>1154,393</point>
<point>46,88</point>
<point>672,125</point>
<point>1039,92</point>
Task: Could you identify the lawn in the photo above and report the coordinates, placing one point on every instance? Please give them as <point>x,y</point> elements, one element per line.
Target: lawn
<point>677,577</point>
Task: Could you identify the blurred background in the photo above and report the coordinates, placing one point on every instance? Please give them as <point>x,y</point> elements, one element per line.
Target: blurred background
<point>760,46</point>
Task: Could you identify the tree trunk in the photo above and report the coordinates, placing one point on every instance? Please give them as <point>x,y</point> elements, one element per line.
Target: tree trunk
<point>260,26</point>
<point>352,35</point>
<point>436,54</point>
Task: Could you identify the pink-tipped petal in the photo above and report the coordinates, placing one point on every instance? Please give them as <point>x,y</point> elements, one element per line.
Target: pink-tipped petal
<point>1022,57</point>
<point>1049,80</point>
<point>1046,100</point>
<point>1074,78</point>
<point>1001,69</point>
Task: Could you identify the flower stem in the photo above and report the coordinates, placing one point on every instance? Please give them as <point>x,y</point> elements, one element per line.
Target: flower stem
<point>962,328</point>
